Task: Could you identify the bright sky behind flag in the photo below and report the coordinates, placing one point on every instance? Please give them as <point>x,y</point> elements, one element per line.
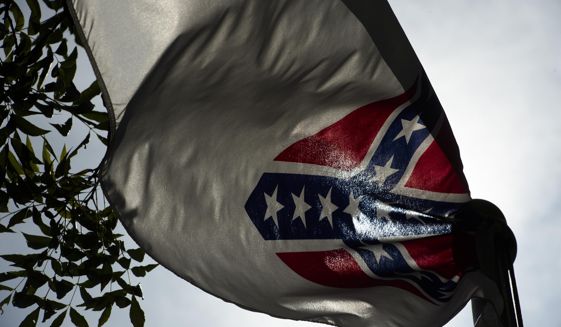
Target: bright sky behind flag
<point>496,67</point>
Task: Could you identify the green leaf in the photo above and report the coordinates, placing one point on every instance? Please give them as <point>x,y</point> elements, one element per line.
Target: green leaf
<point>9,42</point>
<point>63,167</point>
<point>24,46</point>
<point>36,279</point>
<point>25,261</point>
<point>31,319</point>
<point>54,4</point>
<point>104,126</point>
<point>90,92</point>
<point>136,314</point>
<point>28,128</point>
<point>74,55</point>
<point>151,267</point>
<point>55,36</point>
<point>26,157</point>
<point>14,163</point>
<point>85,295</point>
<point>55,305</point>
<point>4,201</point>
<point>62,287</point>
<point>62,48</point>
<point>46,65</point>
<point>64,128</point>
<point>77,318</point>
<point>38,221</point>
<point>122,301</point>
<point>136,290</point>
<point>4,302</point>
<point>124,262</point>
<point>90,283</point>
<point>22,300</point>
<point>47,147</point>
<point>51,87</point>
<point>4,229</point>
<point>104,316</point>
<point>82,144</point>
<point>96,116</point>
<point>11,275</point>
<point>5,288</point>
<point>35,18</point>
<point>30,148</point>
<point>136,254</point>
<point>59,319</point>
<point>57,267</point>
<point>19,217</point>
<point>68,68</point>
<point>133,290</point>
<point>48,311</point>
<point>47,159</point>
<point>139,271</point>
<point>83,107</point>
<point>103,140</point>
<point>18,16</point>
<point>37,242</point>
<point>63,153</point>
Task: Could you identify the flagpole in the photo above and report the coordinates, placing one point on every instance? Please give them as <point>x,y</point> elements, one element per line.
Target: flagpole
<point>495,250</point>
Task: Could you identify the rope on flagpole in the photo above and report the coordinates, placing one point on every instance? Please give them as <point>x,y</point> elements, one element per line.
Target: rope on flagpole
<point>515,296</point>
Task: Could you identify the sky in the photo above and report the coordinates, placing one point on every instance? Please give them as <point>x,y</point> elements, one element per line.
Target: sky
<point>496,68</point>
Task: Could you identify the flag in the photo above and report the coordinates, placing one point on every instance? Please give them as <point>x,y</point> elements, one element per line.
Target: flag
<point>290,157</point>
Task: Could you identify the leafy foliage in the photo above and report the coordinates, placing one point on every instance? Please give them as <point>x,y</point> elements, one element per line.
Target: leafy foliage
<point>69,230</point>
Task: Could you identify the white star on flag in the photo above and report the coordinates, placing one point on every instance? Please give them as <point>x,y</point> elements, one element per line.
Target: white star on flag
<point>414,215</point>
<point>327,208</point>
<point>273,206</point>
<point>353,209</point>
<point>383,172</point>
<point>410,215</point>
<point>408,127</point>
<point>378,252</point>
<point>300,207</point>
<point>383,211</point>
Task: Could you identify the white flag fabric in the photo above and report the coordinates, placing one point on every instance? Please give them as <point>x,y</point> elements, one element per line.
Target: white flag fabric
<point>287,156</point>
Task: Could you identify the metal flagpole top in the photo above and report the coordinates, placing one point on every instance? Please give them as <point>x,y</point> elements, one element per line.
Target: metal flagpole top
<point>496,250</point>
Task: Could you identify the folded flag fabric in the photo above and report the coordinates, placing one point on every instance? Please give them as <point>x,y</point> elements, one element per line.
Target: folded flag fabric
<point>290,157</point>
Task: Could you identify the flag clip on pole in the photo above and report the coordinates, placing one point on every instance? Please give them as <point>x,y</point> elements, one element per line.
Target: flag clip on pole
<point>495,251</point>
